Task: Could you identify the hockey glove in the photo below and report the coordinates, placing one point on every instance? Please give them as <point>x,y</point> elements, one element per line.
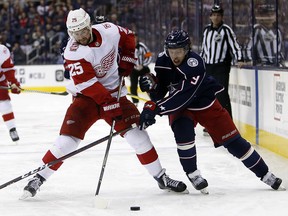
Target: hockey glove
<point>126,65</point>
<point>147,116</point>
<point>113,109</point>
<point>147,82</point>
<point>13,82</point>
<point>15,88</point>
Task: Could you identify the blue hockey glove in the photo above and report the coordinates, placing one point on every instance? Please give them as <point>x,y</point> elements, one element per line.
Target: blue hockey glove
<point>147,82</point>
<point>147,116</point>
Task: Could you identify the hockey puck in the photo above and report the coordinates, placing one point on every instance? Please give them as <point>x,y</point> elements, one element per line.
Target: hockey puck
<point>135,208</point>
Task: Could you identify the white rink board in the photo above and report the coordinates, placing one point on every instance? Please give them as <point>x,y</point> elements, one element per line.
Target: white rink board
<point>242,95</point>
<point>41,75</point>
<point>273,100</point>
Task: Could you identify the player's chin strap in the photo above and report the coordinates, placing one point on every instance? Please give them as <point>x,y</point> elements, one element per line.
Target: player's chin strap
<point>109,140</point>
<point>37,91</point>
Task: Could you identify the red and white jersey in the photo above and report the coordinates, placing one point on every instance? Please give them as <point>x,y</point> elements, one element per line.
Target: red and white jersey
<point>6,62</point>
<point>95,66</point>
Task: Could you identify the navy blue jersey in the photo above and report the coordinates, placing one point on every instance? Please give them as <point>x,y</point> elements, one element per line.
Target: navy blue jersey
<point>187,85</point>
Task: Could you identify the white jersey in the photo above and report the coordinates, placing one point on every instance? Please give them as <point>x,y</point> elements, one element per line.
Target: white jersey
<point>96,62</point>
<point>6,62</point>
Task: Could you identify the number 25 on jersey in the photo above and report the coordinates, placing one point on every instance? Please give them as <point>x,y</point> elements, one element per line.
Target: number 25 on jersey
<point>75,68</point>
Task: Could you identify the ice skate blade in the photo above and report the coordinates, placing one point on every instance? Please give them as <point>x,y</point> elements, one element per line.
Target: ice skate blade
<point>174,192</point>
<point>281,188</point>
<point>26,194</point>
<point>204,191</point>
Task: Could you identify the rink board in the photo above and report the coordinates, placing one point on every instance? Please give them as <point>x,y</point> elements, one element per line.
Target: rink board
<point>259,100</point>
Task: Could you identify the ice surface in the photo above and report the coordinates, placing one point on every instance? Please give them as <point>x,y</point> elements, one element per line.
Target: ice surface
<point>234,190</point>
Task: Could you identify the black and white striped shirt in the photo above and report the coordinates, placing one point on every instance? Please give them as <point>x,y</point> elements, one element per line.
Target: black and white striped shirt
<point>143,54</point>
<point>220,45</point>
<point>265,45</point>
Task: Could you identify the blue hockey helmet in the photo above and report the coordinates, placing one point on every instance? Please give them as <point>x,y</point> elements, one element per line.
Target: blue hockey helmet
<point>177,39</point>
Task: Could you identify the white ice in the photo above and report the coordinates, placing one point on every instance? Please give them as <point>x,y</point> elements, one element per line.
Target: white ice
<point>234,190</point>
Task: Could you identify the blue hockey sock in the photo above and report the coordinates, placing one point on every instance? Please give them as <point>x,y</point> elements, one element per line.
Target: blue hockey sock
<point>243,150</point>
<point>184,135</point>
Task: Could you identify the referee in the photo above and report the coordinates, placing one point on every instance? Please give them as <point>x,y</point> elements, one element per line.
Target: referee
<point>267,39</point>
<point>219,48</point>
<point>144,58</point>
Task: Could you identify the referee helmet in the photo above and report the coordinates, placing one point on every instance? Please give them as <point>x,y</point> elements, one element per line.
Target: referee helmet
<point>217,9</point>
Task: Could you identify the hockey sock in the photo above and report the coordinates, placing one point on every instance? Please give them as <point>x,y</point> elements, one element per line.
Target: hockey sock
<point>62,146</point>
<point>144,149</point>
<point>243,150</point>
<point>184,135</point>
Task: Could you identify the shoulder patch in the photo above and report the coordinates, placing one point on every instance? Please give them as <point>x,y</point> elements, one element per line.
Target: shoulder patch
<point>192,62</point>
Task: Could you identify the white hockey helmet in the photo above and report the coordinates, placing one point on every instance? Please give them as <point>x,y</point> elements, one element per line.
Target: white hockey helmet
<point>77,20</point>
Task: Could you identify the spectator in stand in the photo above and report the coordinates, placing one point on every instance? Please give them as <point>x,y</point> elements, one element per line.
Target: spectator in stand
<point>7,78</point>
<point>26,43</point>
<point>19,56</point>
<point>4,40</point>
<point>42,9</point>
<point>114,18</point>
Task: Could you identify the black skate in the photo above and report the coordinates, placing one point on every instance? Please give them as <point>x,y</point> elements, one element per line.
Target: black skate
<point>32,187</point>
<point>13,134</point>
<point>166,183</point>
<point>198,182</point>
<point>271,180</point>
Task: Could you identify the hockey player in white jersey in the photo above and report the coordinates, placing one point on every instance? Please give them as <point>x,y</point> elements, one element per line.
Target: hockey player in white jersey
<point>96,57</point>
<point>7,78</point>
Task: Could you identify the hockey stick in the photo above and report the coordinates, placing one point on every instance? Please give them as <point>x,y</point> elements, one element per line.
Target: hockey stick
<point>135,96</point>
<point>109,141</point>
<point>37,91</point>
<point>63,158</point>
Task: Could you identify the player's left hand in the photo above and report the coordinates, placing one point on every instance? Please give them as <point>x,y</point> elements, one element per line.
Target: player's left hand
<point>147,82</point>
<point>147,116</point>
<point>15,88</point>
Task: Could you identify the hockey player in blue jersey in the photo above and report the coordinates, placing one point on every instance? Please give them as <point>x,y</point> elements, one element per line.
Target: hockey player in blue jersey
<point>191,99</point>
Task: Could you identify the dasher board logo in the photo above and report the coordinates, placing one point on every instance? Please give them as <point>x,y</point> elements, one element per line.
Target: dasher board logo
<point>59,75</point>
<point>280,98</point>
<point>20,75</point>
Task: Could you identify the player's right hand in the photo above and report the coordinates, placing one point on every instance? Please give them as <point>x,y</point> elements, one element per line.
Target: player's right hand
<point>147,116</point>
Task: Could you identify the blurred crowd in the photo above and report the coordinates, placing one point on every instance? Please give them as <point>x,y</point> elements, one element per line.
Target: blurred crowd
<point>34,29</point>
